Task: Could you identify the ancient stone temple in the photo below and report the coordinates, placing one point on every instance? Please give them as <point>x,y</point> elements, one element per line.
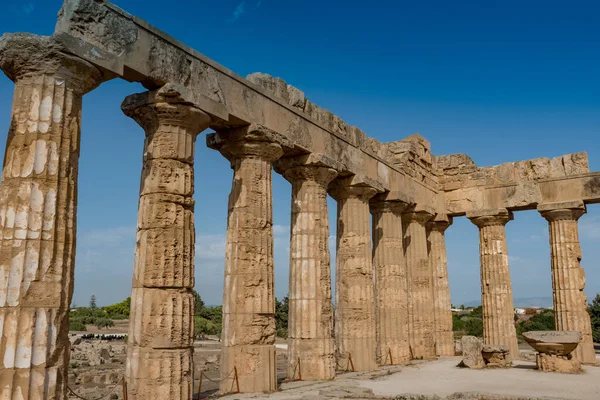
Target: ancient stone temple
<point>395,201</point>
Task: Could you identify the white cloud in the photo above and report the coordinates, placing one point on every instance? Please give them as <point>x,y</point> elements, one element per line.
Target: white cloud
<point>239,11</point>
<point>210,247</point>
<point>28,8</point>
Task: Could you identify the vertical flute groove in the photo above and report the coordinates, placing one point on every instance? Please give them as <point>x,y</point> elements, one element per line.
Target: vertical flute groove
<point>568,278</point>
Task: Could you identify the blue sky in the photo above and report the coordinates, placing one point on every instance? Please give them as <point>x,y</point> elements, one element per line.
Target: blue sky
<point>500,81</point>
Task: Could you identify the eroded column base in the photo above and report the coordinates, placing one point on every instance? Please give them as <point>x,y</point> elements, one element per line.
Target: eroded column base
<point>552,363</point>
<point>362,352</point>
<point>311,360</point>
<point>160,373</point>
<point>32,383</point>
<point>256,367</point>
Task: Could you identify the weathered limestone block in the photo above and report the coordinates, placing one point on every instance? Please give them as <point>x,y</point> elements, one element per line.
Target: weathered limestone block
<point>391,304</point>
<point>471,352</point>
<point>444,336</point>
<point>568,278</point>
<point>311,347</point>
<point>420,285</point>
<point>355,310</point>
<point>568,364</point>
<point>38,207</point>
<point>161,329</point>
<point>496,288</point>
<point>249,296</point>
<point>496,356</point>
<point>555,350</point>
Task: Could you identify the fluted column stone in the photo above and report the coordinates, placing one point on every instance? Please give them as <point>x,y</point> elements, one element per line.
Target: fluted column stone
<point>568,278</point>
<point>38,209</point>
<point>391,302</point>
<point>248,335</point>
<point>420,285</point>
<point>496,288</point>
<point>311,347</point>
<point>161,328</point>
<point>444,336</point>
<point>355,308</point>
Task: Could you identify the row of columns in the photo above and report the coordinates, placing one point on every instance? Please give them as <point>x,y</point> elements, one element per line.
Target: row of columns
<point>392,296</point>
<point>568,278</point>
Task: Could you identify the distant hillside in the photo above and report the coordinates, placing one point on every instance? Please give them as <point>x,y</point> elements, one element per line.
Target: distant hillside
<point>522,302</point>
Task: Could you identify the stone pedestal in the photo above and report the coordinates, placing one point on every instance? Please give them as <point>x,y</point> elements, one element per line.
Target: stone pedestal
<point>391,304</point>
<point>496,289</point>
<point>444,336</point>
<point>161,327</point>
<point>568,364</point>
<point>420,286</point>
<point>38,209</point>
<point>355,309</point>
<point>568,278</point>
<point>496,356</point>
<point>311,348</point>
<point>248,335</point>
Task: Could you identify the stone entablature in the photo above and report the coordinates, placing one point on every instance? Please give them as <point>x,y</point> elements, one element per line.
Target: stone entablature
<point>516,185</point>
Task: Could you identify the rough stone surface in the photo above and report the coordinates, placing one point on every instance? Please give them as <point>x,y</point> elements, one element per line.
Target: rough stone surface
<point>248,295</point>
<point>38,207</point>
<point>444,336</point>
<point>567,364</point>
<point>355,310</point>
<point>390,283</point>
<point>496,356</point>
<point>420,286</point>
<point>553,342</point>
<point>162,304</point>
<point>568,278</point>
<point>311,348</point>
<point>496,288</point>
<point>471,352</point>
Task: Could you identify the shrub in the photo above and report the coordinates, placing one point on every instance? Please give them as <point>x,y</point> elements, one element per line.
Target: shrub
<point>76,325</point>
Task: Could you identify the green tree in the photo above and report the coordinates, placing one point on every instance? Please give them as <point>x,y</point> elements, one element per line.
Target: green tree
<point>93,304</point>
<point>119,310</point>
<point>474,327</point>
<point>594,311</point>
<point>198,303</point>
<point>281,317</point>
<point>104,323</point>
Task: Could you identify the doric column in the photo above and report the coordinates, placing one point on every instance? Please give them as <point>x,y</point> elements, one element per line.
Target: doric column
<point>496,289</point>
<point>310,325</point>
<point>444,336</point>
<point>568,278</point>
<point>38,208</point>
<point>420,285</point>
<point>248,335</point>
<point>391,303</point>
<point>354,302</point>
<point>160,341</point>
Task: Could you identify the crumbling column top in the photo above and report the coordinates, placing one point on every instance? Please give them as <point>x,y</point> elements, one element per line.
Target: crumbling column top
<point>490,217</point>
<point>25,54</point>
<point>353,186</point>
<point>396,207</point>
<point>566,210</point>
<point>249,141</point>
<point>164,105</point>
<point>440,223</point>
<point>315,167</point>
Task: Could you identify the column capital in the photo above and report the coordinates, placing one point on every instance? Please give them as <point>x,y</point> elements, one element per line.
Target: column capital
<point>396,207</point>
<point>420,215</point>
<point>567,210</point>
<point>23,56</point>
<point>164,106</point>
<point>249,141</point>
<point>343,188</point>
<point>310,167</point>
<point>440,223</point>
<point>492,217</point>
